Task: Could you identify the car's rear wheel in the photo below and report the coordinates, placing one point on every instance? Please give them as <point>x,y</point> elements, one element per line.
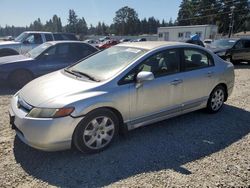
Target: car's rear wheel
<point>19,78</point>
<point>216,99</point>
<point>96,131</point>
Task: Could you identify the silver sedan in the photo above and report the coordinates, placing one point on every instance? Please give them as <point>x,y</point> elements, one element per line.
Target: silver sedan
<point>119,89</point>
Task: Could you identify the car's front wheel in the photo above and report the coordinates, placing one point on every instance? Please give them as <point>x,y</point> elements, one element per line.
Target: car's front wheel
<point>96,131</point>
<point>216,99</point>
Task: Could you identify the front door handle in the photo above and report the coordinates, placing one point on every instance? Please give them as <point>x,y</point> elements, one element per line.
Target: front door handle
<point>176,81</point>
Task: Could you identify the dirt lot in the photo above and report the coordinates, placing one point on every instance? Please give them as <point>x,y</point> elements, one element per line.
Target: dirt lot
<point>195,150</point>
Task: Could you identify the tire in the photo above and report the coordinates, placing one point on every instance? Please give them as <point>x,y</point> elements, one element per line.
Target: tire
<point>7,52</point>
<point>19,78</point>
<point>96,131</point>
<point>216,99</point>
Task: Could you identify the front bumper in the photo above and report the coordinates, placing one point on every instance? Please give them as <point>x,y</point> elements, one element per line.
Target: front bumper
<point>48,134</point>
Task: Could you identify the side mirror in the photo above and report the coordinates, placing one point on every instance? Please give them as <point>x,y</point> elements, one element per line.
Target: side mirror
<point>142,77</point>
<point>45,56</point>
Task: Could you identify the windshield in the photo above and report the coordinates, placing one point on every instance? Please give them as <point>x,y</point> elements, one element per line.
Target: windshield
<point>223,43</point>
<point>109,62</point>
<point>38,50</point>
<point>21,37</point>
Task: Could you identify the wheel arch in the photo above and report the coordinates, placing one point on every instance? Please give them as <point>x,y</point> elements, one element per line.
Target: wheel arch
<point>19,70</point>
<point>122,128</point>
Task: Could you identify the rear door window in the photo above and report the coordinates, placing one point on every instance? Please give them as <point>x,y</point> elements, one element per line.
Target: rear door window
<point>81,50</point>
<point>196,59</point>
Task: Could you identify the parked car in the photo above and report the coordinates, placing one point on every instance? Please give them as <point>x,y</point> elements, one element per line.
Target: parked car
<point>50,56</point>
<point>234,50</point>
<point>29,40</point>
<point>103,39</point>
<point>8,38</point>
<point>207,42</point>
<point>125,40</point>
<point>118,89</point>
<point>107,44</point>
<point>140,40</point>
<point>65,36</point>
<point>91,41</point>
<point>195,39</point>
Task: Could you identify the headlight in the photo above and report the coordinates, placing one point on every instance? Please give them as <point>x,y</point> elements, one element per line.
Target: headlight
<point>50,112</point>
<point>223,53</point>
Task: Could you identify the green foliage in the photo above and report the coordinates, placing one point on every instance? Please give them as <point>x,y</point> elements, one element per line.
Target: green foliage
<point>219,12</point>
<point>126,21</point>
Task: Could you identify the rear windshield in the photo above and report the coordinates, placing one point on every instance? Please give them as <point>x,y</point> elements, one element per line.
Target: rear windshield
<point>64,37</point>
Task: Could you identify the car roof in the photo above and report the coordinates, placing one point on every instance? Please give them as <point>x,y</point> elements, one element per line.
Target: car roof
<point>38,32</point>
<point>150,45</point>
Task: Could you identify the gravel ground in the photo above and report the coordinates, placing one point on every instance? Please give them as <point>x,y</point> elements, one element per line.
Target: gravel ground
<point>193,150</point>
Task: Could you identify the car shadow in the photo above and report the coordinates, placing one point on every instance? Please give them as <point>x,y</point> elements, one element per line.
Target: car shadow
<point>169,144</point>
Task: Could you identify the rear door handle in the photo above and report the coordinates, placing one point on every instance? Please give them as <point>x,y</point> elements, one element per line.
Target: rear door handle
<point>176,81</point>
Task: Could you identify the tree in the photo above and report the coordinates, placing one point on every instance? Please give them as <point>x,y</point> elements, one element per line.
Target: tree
<point>56,24</point>
<point>126,21</point>
<point>72,22</point>
<point>81,27</point>
<point>144,26</point>
<point>36,25</point>
<point>219,12</point>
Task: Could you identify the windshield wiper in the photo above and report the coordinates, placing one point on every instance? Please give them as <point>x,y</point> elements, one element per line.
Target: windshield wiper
<point>80,74</point>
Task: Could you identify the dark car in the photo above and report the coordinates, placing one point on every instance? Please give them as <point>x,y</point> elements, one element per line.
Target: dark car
<point>233,50</point>
<point>18,70</point>
<point>140,40</point>
<point>125,40</point>
<point>64,36</point>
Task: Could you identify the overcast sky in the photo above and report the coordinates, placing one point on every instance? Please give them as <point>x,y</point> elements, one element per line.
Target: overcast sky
<point>23,12</point>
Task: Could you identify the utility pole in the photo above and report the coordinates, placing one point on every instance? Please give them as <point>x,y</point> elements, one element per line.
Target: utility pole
<point>231,26</point>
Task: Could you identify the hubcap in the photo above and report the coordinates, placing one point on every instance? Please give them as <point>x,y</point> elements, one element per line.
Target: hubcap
<point>217,99</point>
<point>99,132</point>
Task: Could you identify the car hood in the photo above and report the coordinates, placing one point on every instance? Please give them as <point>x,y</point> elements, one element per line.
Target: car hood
<point>55,90</point>
<point>13,59</point>
<point>216,49</point>
<point>8,43</point>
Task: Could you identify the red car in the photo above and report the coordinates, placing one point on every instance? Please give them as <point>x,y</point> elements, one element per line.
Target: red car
<point>107,44</point>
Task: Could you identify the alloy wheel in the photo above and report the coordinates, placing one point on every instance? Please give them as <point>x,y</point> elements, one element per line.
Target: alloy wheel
<point>217,99</point>
<point>99,132</point>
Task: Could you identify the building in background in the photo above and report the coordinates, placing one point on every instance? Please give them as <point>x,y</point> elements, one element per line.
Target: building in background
<point>183,33</point>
